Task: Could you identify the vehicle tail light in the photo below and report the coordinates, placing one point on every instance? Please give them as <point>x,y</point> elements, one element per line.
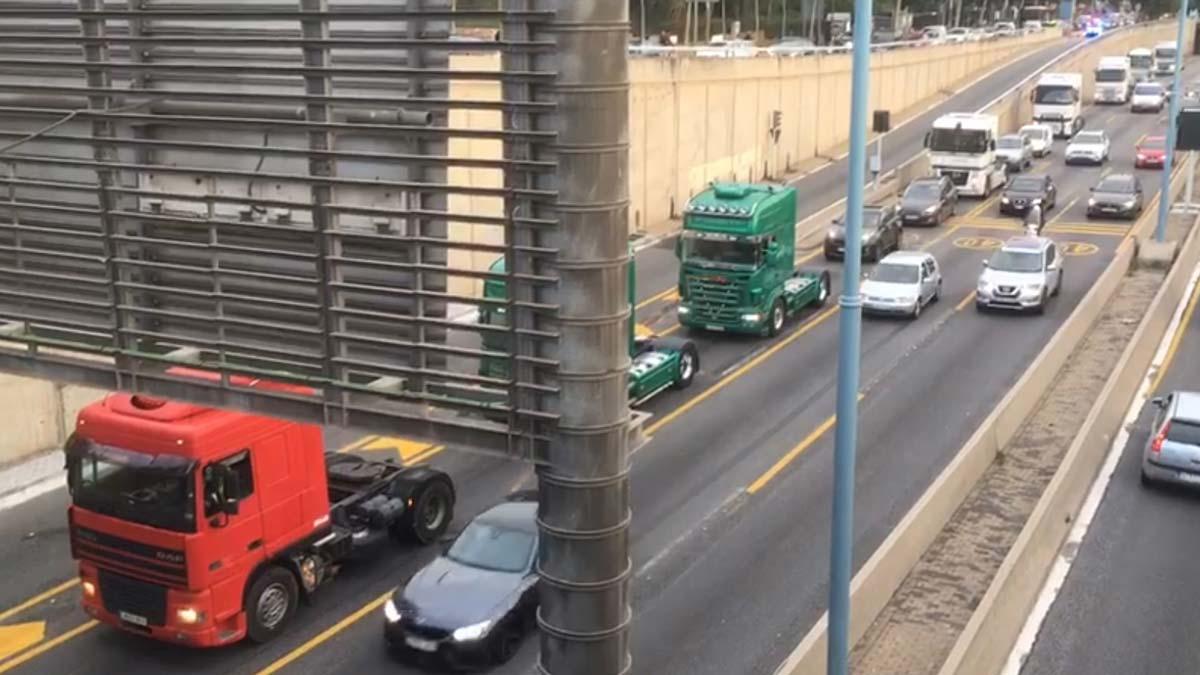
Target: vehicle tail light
<point>1156,446</point>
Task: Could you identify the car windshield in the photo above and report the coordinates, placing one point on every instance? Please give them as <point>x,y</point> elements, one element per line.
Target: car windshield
<point>1088,138</point>
<point>491,547</point>
<point>1121,185</point>
<point>1022,184</point>
<point>922,191</point>
<point>1006,260</point>
<point>154,490</point>
<point>1148,89</point>
<point>1153,143</point>
<point>1184,432</point>
<point>1010,143</point>
<point>894,273</point>
<point>719,252</point>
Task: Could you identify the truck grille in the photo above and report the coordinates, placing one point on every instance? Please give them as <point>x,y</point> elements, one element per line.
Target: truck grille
<point>714,297</point>
<point>168,566</point>
<point>132,597</point>
<point>957,177</point>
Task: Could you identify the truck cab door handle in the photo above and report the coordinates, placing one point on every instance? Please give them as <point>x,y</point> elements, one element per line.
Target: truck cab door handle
<point>257,543</point>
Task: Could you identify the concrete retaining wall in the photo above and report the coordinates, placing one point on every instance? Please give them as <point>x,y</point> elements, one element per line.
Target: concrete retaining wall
<point>988,637</point>
<point>38,415</point>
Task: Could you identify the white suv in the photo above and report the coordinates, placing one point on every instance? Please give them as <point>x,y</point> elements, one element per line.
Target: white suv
<point>1023,275</point>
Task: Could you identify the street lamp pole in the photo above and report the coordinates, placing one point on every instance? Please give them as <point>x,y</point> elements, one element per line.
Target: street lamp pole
<point>850,329</point>
<point>1164,195</point>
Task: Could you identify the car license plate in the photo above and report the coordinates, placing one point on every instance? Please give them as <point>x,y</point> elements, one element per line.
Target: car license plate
<point>1189,477</point>
<point>134,619</point>
<point>719,329</point>
<point>909,216</point>
<point>420,644</point>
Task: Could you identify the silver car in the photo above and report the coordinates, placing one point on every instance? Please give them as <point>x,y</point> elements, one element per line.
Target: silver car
<point>902,283</point>
<point>1172,454</point>
<point>1089,147</point>
<point>1016,150</point>
<point>1023,275</point>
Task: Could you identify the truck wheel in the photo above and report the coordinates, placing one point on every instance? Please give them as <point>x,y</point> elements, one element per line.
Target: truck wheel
<point>270,604</point>
<point>689,363</point>
<point>430,515</point>
<point>824,291</point>
<point>775,319</point>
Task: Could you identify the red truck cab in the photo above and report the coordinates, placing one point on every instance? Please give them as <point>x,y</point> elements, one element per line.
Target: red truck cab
<point>202,526</point>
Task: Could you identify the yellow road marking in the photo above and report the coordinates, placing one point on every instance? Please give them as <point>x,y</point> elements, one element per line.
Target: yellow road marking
<point>39,598</point>
<point>670,329</point>
<point>655,298</point>
<point>642,330</point>
<point>426,456</point>
<point>324,636</point>
<point>358,445</point>
<point>20,637</point>
<point>37,651</point>
<point>1176,339</point>
<point>974,213</point>
<point>962,304</point>
<point>405,448</point>
<point>795,452</point>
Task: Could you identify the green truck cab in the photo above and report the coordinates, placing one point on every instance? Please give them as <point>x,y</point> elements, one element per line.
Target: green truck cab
<point>737,261</point>
<point>656,363</point>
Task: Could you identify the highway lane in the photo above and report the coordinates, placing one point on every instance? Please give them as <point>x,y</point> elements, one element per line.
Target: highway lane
<point>697,524</point>
<point>1128,604</point>
<point>656,266</point>
<point>485,481</point>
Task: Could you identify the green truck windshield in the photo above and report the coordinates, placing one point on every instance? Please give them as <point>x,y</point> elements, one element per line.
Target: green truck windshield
<point>720,252</point>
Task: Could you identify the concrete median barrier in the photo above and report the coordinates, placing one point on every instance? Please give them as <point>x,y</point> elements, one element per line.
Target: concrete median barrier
<point>989,636</point>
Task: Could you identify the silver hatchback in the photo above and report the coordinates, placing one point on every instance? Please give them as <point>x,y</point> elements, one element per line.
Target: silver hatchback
<point>1172,454</point>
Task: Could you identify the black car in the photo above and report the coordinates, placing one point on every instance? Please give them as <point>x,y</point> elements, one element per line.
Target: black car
<point>928,201</point>
<point>1022,191</point>
<point>881,234</point>
<point>1118,195</point>
<point>474,604</point>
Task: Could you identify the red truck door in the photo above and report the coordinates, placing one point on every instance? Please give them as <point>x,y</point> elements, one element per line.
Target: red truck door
<point>234,522</point>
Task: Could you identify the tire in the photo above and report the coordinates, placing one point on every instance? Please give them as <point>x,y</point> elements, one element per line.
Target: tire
<point>937,293</point>
<point>430,515</point>
<point>506,642</point>
<point>916,313</point>
<point>689,365</point>
<point>873,253</point>
<point>271,602</point>
<point>1058,286</point>
<point>825,291</point>
<point>776,318</point>
<point>1041,307</point>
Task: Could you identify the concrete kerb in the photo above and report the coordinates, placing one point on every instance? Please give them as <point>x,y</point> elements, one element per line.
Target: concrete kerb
<point>882,574</point>
<point>988,637</point>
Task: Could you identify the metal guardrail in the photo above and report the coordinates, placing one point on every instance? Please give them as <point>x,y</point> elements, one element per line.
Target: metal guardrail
<point>267,189</point>
<point>749,51</point>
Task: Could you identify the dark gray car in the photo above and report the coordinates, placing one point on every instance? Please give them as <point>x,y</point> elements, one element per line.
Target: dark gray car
<point>1118,195</point>
<point>473,605</point>
<point>928,201</point>
<point>1023,191</point>
<point>881,234</point>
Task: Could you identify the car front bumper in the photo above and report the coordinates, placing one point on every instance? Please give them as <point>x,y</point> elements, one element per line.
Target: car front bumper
<point>1155,162</point>
<point>886,307</point>
<point>445,651</point>
<point>993,300</point>
<point>1084,158</point>
<point>1015,209</point>
<point>918,218</point>
<point>1115,210</point>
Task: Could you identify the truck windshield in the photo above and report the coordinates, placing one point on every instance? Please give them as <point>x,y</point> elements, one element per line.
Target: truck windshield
<point>1016,261</point>
<point>719,252</point>
<point>1141,60</point>
<point>1054,94</point>
<point>1110,75</point>
<point>972,141</point>
<point>1164,53</point>
<point>493,548</point>
<point>154,490</point>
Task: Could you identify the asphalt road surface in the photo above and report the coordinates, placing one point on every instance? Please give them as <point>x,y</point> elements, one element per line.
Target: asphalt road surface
<point>731,495</point>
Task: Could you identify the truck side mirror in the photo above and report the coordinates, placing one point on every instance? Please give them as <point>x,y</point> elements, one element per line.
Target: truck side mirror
<point>679,247</point>
<point>926,141</point>
<point>1159,402</point>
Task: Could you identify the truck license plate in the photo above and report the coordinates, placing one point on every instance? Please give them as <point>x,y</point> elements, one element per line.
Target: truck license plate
<point>715,328</point>
<point>134,619</point>
<point>420,644</point>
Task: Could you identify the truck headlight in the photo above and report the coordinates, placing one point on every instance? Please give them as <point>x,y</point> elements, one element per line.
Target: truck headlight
<point>753,317</point>
<point>89,589</point>
<point>473,632</point>
<point>391,612</point>
<point>189,615</point>
<point>683,309</point>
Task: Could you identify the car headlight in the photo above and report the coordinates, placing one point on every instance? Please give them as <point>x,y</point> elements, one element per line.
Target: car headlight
<point>983,286</point>
<point>473,632</point>
<point>1033,287</point>
<point>867,236</point>
<point>1091,201</point>
<point>908,299</point>
<point>189,615</point>
<point>931,209</point>
<point>1141,157</point>
<point>831,234</point>
<point>1129,203</point>
<point>752,318</point>
<point>391,612</point>
<point>1004,200</point>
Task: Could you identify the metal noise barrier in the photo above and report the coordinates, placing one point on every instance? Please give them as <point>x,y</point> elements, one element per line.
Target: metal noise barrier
<point>266,191</point>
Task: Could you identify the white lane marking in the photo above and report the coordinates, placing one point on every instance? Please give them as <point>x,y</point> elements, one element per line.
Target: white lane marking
<point>1062,565</point>
<point>33,491</point>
